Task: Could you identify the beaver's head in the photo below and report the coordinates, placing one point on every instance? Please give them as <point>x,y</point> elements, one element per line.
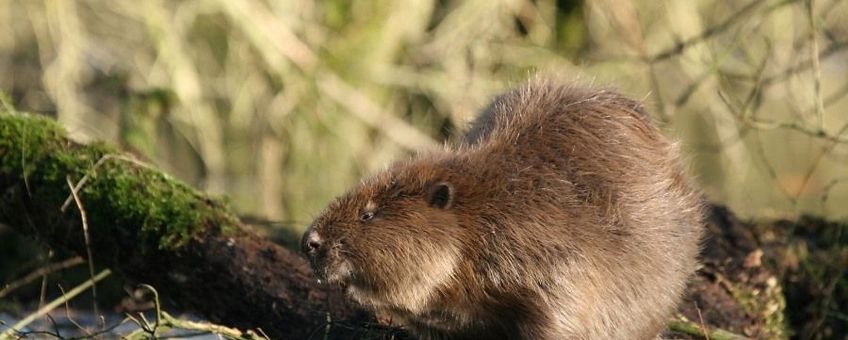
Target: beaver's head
<point>393,240</point>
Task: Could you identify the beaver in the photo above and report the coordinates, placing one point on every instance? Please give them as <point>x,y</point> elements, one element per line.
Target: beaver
<point>563,213</point>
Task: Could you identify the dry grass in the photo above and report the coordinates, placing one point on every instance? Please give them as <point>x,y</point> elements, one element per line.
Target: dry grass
<point>282,104</point>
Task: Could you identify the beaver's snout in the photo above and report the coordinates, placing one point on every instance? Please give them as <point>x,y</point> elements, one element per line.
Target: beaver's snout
<point>310,244</point>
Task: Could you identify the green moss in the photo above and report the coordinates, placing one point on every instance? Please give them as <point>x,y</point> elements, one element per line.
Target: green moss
<point>159,210</point>
<point>766,301</point>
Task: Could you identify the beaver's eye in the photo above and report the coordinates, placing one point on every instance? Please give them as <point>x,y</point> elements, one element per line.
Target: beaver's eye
<point>368,215</point>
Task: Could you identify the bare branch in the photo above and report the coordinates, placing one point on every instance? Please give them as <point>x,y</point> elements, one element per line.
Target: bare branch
<point>32,276</point>
<point>8,334</point>
<point>87,235</point>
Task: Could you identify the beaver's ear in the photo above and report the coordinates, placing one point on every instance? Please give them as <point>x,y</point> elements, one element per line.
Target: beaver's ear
<point>440,195</point>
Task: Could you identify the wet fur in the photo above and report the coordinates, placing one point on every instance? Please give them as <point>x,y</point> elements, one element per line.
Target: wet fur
<point>568,216</point>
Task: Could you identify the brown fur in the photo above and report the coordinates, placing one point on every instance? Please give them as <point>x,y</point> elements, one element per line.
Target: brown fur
<point>562,214</point>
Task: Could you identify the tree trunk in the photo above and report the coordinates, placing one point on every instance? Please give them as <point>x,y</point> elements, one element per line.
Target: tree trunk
<point>153,229</point>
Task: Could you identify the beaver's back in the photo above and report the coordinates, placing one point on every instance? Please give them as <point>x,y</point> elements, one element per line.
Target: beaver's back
<point>579,194</point>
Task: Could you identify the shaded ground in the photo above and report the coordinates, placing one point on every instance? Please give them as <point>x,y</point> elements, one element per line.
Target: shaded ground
<point>772,280</point>
<point>761,280</point>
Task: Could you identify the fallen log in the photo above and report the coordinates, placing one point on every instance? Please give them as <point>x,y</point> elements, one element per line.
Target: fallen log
<point>153,229</point>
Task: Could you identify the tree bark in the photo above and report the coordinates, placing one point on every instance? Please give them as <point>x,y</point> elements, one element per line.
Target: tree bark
<point>153,229</point>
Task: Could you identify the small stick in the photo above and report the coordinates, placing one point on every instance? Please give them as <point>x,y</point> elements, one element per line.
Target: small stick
<point>691,328</point>
<point>701,319</point>
<point>73,261</point>
<point>84,180</point>
<point>68,315</point>
<point>8,334</point>
<point>87,242</point>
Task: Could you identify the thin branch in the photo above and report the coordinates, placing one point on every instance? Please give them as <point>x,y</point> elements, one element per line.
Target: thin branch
<point>765,124</point>
<point>772,171</point>
<point>747,118</point>
<point>87,236</point>
<point>53,322</point>
<point>32,276</point>
<point>76,188</point>
<point>8,334</point>
<point>831,49</point>
<point>680,47</point>
<point>156,304</point>
<point>829,186</point>
<point>814,57</point>
<point>692,328</point>
<point>714,69</point>
<point>836,95</point>
<point>818,160</point>
<point>655,88</point>
<point>229,332</point>
<point>831,98</point>
<point>43,292</point>
<point>68,314</point>
<point>701,321</point>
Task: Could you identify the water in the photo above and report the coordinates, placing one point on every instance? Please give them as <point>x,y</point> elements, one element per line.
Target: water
<point>76,323</point>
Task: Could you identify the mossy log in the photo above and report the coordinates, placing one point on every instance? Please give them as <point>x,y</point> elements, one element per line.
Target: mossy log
<point>153,229</point>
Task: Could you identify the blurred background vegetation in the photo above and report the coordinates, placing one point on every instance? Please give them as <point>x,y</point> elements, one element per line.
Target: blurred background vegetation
<point>281,105</point>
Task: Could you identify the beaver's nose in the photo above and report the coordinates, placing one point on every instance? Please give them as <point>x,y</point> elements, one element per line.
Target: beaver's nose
<point>311,242</point>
